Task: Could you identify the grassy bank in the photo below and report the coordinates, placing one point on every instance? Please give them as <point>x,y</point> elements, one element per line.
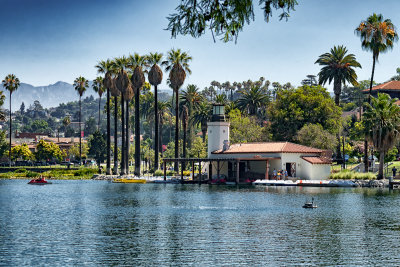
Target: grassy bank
<point>82,173</point>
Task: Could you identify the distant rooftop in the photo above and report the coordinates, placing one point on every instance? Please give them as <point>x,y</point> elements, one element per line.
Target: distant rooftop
<point>387,86</point>
<point>268,147</point>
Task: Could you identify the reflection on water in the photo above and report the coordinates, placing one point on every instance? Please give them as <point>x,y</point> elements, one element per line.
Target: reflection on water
<point>97,222</point>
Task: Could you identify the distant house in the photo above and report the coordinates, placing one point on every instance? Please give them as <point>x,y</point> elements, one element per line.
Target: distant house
<point>391,88</point>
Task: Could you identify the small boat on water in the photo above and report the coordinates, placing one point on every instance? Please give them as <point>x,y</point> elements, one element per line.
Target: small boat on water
<point>310,205</point>
<point>39,181</point>
<point>129,181</point>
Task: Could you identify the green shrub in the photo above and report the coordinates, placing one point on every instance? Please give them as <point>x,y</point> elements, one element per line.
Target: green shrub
<point>20,171</point>
<point>350,175</point>
<point>85,172</point>
<point>30,174</point>
<point>170,173</point>
<point>158,173</point>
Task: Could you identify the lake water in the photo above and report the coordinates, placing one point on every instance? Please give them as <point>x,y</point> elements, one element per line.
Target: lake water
<point>101,223</point>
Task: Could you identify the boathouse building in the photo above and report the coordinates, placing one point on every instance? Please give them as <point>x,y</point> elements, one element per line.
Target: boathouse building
<point>241,162</point>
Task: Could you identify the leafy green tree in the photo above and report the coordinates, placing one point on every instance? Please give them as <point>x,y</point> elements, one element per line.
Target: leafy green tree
<point>75,151</point>
<point>10,83</point>
<point>199,148</point>
<point>98,147</point>
<point>314,135</point>
<point>47,151</point>
<point>295,108</point>
<point>80,85</point>
<point>224,18</point>
<point>245,129</point>
<point>338,66</point>
<point>39,126</point>
<point>381,123</point>
<point>3,143</point>
<point>21,152</point>
<point>90,126</point>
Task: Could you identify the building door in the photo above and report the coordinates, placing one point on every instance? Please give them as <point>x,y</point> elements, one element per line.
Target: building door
<point>291,169</point>
<point>242,170</point>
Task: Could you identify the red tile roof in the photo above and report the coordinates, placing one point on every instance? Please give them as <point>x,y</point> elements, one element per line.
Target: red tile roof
<point>387,86</point>
<point>317,160</point>
<point>268,147</point>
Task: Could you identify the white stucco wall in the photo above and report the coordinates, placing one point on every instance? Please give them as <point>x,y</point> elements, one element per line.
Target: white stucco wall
<point>218,132</point>
<point>315,171</point>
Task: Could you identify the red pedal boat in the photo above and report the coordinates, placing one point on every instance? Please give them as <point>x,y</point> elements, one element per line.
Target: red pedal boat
<point>39,181</point>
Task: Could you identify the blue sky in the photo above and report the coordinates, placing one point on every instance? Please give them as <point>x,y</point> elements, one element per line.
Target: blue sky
<point>43,42</point>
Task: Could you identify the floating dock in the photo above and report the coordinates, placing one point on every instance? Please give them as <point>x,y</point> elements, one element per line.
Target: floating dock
<point>315,183</point>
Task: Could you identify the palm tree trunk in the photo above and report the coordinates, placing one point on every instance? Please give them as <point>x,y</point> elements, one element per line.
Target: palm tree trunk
<point>98,124</point>
<point>115,135</point>
<point>80,131</point>
<point>160,141</point>
<point>122,135</point>
<point>10,133</point>
<point>204,132</point>
<point>184,126</point>
<point>369,101</point>
<point>127,137</point>
<point>381,164</point>
<point>137,133</point>
<point>156,133</point>
<point>108,168</point>
<point>176,128</point>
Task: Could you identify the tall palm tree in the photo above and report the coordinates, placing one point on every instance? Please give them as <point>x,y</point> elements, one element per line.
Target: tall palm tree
<point>378,36</point>
<point>381,122</point>
<point>191,98</point>
<point>123,85</point>
<point>252,100</point>
<point>10,83</point>
<point>185,120</point>
<point>137,63</point>
<point>201,116</point>
<point>155,78</point>
<point>98,87</point>
<point>221,99</point>
<point>338,66</point>
<point>104,67</point>
<point>164,114</point>
<point>80,85</point>
<point>177,63</point>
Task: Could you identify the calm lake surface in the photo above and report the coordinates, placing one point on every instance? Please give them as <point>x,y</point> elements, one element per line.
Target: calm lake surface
<point>101,223</point>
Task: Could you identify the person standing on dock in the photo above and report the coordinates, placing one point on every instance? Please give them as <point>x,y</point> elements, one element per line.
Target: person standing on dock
<point>274,174</point>
<point>394,170</point>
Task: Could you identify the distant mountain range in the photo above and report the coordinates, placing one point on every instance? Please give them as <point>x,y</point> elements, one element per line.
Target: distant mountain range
<point>49,96</point>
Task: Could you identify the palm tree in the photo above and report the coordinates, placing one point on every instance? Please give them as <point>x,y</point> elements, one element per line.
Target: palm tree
<point>377,35</point>
<point>10,83</point>
<point>98,87</point>
<point>252,100</point>
<point>381,122</point>
<point>185,120</point>
<point>164,113</point>
<point>80,85</point>
<point>104,67</point>
<point>201,116</point>
<point>221,99</point>
<point>177,64</point>
<point>123,85</point>
<point>155,78</point>
<point>338,66</point>
<point>191,98</point>
<point>137,63</point>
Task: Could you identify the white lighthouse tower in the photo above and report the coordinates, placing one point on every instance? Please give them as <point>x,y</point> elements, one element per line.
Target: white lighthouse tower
<point>218,129</point>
